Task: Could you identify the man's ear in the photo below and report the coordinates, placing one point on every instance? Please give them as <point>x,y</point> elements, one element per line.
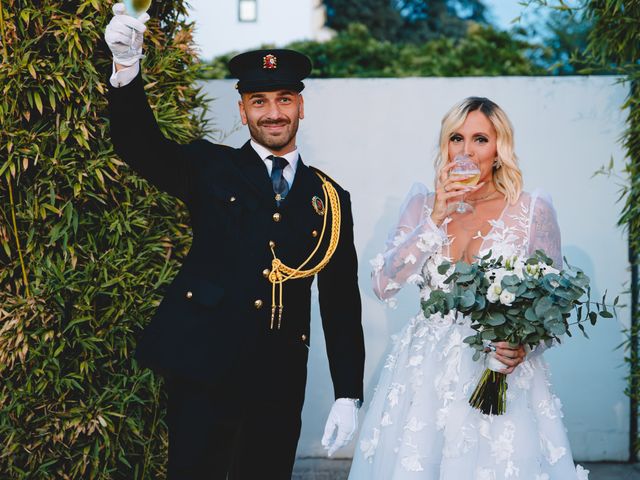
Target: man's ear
<point>301,108</point>
<point>243,113</point>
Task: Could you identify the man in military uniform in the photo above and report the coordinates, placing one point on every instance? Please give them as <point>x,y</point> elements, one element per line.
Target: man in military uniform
<point>231,335</point>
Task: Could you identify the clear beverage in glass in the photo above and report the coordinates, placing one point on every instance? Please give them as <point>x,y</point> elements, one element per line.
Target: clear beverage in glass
<point>466,172</point>
<point>135,8</point>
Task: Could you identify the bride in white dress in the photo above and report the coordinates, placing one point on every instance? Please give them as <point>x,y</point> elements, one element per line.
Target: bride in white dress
<point>419,424</point>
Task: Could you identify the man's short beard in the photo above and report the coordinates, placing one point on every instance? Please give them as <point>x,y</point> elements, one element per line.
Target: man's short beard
<point>270,142</point>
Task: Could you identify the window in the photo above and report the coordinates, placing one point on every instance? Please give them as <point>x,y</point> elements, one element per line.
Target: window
<point>248,10</point>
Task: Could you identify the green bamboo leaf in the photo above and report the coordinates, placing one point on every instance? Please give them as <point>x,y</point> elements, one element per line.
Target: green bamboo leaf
<point>38,101</point>
<point>32,71</point>
<point>52,100</point>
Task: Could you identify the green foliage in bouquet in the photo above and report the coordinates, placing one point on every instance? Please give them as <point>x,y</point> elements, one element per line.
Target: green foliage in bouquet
<point>532,301</point>
<point>84,243</point>
<point>523,302</point>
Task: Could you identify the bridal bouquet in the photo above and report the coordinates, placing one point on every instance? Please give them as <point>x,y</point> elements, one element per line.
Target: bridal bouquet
<point>519,300</point>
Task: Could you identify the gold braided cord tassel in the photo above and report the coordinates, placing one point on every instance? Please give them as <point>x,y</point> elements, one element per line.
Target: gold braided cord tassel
<point>281,273</point>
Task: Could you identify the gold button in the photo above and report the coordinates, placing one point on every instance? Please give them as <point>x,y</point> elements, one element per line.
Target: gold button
<point>266,272</point>
<point>304,338</point>
<point>232,199</point>
<point>314,233</point>
<point>272,243</point>
<point>276,217</point>
<point>189,294</point>
<point>257,304</point>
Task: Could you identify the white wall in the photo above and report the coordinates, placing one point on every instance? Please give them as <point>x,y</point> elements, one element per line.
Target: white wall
<point>279,22</point>
<point>378,136</point>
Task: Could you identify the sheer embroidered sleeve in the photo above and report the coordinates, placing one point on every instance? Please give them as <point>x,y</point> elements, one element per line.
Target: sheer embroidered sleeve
<point>410,243</point>
<point>544,233</point>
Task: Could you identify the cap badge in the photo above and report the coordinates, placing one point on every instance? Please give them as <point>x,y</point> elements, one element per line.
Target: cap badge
<point>318,205</point>
<point>269,62</point>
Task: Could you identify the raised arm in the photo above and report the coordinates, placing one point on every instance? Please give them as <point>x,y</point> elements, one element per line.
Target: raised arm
<point>134,131</point>
<point>410,243</point>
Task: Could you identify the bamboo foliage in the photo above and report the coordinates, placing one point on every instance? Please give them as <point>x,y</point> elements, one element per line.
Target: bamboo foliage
<point>615,40</point>
<point>614,46</point>
<point>84,243</point>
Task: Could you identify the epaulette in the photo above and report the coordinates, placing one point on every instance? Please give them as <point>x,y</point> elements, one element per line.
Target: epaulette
<point>320,172</point>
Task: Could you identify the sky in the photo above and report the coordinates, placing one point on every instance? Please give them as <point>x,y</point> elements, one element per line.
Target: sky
<point>504,11</point>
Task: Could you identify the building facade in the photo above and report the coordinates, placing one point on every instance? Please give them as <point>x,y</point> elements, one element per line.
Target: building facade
<point>235,25</point>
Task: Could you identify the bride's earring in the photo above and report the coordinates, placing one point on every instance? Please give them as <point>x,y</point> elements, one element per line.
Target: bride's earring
<point>497,163</point>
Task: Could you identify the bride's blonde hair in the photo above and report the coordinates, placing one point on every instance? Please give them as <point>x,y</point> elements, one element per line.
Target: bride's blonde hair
<point>507,175</point>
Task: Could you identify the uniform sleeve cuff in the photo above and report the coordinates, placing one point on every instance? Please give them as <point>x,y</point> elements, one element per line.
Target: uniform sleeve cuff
<point>124,76</point>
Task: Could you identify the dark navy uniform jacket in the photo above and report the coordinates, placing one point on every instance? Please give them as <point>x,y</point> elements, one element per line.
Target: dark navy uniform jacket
<point>219,304</point>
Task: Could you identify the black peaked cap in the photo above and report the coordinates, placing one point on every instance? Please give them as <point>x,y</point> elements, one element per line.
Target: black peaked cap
<point>268,70</point>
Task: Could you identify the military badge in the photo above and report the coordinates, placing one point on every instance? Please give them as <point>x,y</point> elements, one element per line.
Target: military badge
<point>270,62</point>
<point>318,205</point>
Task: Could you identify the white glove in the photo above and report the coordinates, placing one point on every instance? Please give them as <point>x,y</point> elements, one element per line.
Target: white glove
<point>124,36</point>
<point>342,423</point>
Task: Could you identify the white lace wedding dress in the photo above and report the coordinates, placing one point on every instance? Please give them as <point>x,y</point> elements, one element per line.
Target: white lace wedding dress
<point>419,424</point>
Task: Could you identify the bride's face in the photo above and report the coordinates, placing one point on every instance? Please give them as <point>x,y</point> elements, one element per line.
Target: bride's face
<point>477,138</point>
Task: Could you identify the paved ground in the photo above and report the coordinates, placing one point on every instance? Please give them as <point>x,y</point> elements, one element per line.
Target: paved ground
<point>323,469</point>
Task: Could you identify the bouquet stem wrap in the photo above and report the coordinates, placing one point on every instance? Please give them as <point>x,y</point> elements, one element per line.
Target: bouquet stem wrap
<point>490,395</point>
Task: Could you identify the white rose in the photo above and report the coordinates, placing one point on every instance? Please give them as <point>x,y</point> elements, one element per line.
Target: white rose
<point>506,297</point>
<point>494,291</point>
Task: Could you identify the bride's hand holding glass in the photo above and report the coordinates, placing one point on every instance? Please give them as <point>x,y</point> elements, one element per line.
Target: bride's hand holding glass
<point>448,189</point>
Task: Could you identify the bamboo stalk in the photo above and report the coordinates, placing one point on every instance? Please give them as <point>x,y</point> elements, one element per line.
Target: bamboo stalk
<point>15,234</point>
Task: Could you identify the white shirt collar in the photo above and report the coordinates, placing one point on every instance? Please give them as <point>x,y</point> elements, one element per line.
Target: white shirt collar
<point>291,157</point>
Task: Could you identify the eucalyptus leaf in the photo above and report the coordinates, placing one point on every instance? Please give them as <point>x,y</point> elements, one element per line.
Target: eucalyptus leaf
<point>495,318</point>
<point>444,267</point>
<point>463,268</point>
<point>468,299</point>
<point>542,305</point>
<point>489,334</point>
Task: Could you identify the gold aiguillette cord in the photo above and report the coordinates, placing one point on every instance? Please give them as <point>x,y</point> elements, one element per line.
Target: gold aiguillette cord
<point>281,273</point>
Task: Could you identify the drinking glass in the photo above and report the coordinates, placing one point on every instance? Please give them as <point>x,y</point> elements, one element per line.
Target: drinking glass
<point>466,172</point>
<point>135,8</point>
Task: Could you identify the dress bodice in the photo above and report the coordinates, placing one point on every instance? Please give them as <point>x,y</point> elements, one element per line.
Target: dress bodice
<point>416,245</point>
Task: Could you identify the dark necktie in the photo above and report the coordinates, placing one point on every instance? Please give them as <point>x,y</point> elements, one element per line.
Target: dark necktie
<point>280,185</point>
